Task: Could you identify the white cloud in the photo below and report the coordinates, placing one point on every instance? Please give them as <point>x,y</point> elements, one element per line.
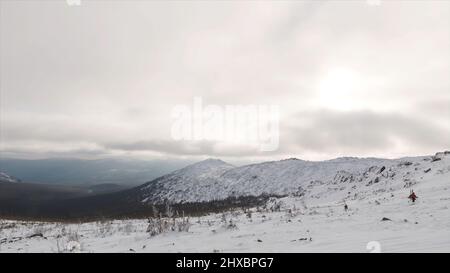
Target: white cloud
<point>110,72</point>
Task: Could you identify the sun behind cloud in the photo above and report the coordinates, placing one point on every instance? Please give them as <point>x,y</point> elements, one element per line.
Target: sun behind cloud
<point>338,89</point>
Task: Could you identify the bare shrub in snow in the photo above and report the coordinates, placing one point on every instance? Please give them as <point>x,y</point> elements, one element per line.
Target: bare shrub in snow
<point>105,228</point>
<point>154,226</point>
<point>249,214</point>
<point>39,229</point>
<point>159,225</point>
<point>73,236</point>
<point>68,243</point>
<point>231,225</point>
<point>73,246</point>
<point>155,211</point>
<point>273,205</point>
<point>235,213</point>
<point>169,210</point>
<point>184,225</point>
<point>263,218</point>
<point>128,228</point>
<point>59,246</point>
<point>223,218</point>
<point>291,213</point>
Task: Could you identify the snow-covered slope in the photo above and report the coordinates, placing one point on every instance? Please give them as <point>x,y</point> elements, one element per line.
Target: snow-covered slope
<point>214,179</point>
<point>314,222</point>
<point>194,182</point>
<point>7,178</point>
<point>379,217</point>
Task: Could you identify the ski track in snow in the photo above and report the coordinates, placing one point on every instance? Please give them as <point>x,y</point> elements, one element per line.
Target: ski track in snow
<point>317,221</point>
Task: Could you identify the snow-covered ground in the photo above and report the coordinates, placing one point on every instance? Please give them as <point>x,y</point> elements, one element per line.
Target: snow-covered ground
<point>311,219</point>
<point>315,221</point>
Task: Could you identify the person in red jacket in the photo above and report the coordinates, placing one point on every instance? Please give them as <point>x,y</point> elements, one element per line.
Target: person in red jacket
<point>413,196</point>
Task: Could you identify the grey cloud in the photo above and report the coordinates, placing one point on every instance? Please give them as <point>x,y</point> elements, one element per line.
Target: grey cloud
<point>437,107</point>
<point>183,148</point>
<point>40,154</point>
<point>362,132</point>
<point>106,75</point>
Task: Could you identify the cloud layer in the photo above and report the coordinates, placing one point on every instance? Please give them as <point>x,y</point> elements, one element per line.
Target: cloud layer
<point>102,78</point>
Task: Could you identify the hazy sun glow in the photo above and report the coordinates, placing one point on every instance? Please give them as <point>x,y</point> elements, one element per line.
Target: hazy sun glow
<point>338,88</point>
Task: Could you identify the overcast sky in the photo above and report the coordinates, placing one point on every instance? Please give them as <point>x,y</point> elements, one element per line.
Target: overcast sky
<point>351,78</point>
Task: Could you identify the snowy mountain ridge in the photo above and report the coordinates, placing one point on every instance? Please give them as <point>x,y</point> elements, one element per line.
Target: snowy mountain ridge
<point>346,178</point>
<point>7,178</point>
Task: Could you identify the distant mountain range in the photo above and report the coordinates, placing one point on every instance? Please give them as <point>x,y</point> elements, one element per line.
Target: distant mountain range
<point>76,172</point>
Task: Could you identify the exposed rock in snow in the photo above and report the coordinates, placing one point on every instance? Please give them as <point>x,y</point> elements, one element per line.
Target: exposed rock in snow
<point>439,156</point>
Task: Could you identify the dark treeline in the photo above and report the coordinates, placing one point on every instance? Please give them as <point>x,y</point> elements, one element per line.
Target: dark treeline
<point>119,205</point>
